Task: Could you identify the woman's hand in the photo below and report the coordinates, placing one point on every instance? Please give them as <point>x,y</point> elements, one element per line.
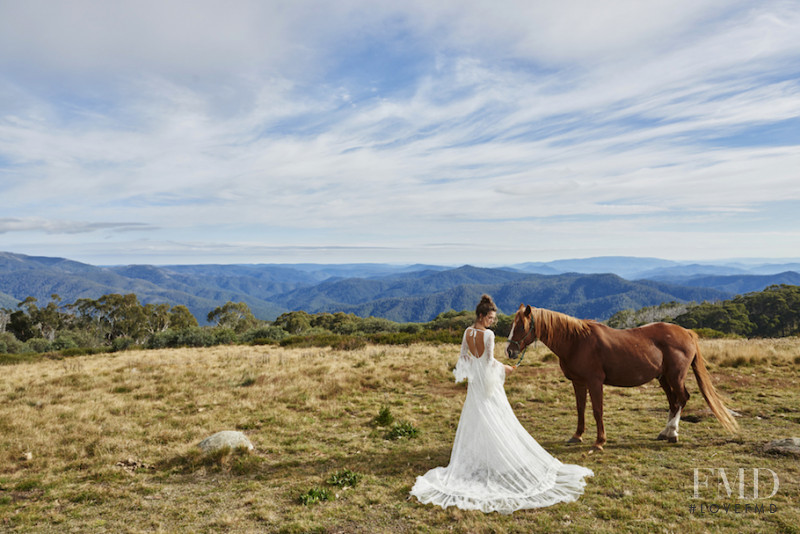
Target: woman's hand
<point>509,369</point>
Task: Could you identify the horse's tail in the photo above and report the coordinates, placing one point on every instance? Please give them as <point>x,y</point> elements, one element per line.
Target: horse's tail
<point>713,400</point>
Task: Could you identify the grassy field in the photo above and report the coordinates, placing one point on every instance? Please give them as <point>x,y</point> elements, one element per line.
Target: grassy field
<point>108,442</point>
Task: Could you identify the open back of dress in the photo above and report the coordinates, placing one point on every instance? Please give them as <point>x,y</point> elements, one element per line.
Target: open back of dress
<point>495,464</point>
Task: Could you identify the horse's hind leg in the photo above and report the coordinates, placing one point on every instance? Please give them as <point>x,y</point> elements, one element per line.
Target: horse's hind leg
<point>668,432</point>
<point>580,401</point>
<point>678,396</point>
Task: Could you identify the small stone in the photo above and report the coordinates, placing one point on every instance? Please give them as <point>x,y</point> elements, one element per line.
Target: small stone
<point>131,465</point>
<point>226,438</point>
<point>27,457</point>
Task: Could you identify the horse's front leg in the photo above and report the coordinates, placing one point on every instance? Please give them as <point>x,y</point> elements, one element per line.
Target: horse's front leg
<point>596,394</point>
<point>580,401</point>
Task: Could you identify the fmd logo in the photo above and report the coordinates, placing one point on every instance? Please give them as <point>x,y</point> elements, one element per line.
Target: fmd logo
<point>756,483</point>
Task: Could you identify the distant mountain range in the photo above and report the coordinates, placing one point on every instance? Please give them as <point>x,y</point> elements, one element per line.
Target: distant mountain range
<point>589,288</point>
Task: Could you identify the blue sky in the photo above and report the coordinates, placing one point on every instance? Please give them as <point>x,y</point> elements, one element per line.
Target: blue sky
<point>435,132</point>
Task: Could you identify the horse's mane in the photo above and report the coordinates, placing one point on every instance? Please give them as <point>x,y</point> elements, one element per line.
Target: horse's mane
<point>553,326</point>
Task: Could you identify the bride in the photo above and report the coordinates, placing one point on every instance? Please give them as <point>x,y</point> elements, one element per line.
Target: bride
<point>495,465</point>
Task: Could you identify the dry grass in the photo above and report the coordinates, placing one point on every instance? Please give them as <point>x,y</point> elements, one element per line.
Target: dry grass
<point>112,442</point>
<point>752,352</point>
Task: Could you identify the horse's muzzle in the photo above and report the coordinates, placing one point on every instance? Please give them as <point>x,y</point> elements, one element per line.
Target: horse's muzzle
<point>512,352</point>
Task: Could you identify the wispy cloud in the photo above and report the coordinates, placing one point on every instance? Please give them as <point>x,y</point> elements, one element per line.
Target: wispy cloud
<point>8,225</point>
<point>361,129</point>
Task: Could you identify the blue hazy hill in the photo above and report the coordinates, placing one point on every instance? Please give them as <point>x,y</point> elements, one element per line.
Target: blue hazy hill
<point>590,288</point>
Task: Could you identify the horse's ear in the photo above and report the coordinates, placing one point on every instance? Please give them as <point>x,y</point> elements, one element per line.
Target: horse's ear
<point>528,311</point>
<point>521,307</point>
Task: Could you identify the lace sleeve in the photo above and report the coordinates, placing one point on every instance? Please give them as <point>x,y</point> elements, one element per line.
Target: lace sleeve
<point>495,372</point>
<point>463,368</point>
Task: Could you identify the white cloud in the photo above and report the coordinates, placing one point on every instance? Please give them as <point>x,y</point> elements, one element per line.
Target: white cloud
<point>241,128</point>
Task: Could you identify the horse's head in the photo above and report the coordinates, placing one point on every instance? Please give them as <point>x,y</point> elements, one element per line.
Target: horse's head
<point>522,332</point>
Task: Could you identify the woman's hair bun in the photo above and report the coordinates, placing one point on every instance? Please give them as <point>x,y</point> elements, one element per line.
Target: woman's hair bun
<point>485,306</point>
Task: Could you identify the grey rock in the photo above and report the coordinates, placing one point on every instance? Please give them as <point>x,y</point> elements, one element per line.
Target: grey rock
<point>226,438</point>
<point>790,446</point>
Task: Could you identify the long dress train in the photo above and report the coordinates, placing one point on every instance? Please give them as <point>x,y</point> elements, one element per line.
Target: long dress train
<point>495,464</point>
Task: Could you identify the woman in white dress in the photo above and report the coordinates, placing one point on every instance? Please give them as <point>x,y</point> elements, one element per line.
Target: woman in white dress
<point>495,465</point>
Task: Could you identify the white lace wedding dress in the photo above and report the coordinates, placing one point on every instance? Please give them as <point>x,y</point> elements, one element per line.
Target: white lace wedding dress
<point>495,465</point>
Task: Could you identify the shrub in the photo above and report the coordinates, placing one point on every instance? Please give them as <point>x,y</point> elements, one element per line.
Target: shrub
<point>452,320</point>
<point>411,328</point>
<point>404,429</point>
<point>264,335</point>
<point>710,333</point>
<point>194,336</point>
<point>263,341</point>
<point>224,336</point>
<point>80,338</point>
<point>64,341</point>
<point>384,417</point>
<point>122,343</point>
<point>37,344</point>
<point>374,325</point>
<point>344,479</point>
<point>443,336</point>
<point>9,344</point>
<point>316,495</point>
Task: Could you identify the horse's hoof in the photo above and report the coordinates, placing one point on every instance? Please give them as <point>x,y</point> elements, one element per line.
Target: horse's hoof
<point>596,448</point>
<point>661,437</point>
<point>574,439</point>
<point>672,439</point>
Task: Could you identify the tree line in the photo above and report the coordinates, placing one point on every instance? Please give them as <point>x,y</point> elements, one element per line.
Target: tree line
<point>773,312</point>
<point>117,322</point>
<point>114,321</point>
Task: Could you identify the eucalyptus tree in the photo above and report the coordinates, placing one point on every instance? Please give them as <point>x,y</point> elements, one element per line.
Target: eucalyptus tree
<point>234,315</point>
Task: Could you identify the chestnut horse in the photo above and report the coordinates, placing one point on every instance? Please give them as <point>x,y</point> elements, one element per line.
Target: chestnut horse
<point>592,354</point>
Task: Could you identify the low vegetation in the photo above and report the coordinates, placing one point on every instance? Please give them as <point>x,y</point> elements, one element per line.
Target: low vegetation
<point>108,442</point>
<point>119,322</point>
